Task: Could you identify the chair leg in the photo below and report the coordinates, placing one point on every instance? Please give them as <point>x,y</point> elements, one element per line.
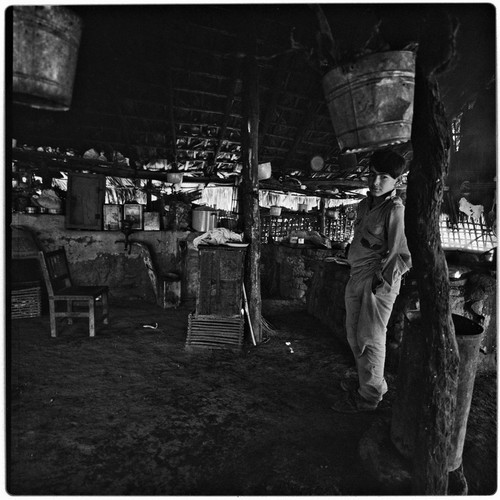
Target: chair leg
<point>69,308</point>
<point>105,310</point>
<point>52,313</point>
<point>92,317</point>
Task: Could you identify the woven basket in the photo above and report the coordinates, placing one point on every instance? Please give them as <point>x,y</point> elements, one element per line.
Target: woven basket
<point>26,301</point>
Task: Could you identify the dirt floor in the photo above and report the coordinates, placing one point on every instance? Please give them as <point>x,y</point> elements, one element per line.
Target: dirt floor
<point>132,412</point>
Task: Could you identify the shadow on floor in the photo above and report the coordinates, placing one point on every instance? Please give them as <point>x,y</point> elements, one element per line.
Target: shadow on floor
<point>132,412</point>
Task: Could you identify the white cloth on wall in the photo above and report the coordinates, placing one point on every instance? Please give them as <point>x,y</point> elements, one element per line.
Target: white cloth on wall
<point>220,197</point>
<point>292,200</point>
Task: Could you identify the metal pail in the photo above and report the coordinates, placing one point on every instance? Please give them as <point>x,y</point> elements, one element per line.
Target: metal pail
<point>204,219</point>
<point>469,335</point>
<point>45,50</point>
<point>371,100</point>
<point>409,391</point>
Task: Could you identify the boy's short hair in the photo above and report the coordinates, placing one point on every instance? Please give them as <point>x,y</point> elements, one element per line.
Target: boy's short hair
<point>388,162</point>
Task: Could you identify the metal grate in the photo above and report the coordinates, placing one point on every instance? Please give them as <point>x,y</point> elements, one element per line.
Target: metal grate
<point>277,228</point>
<point>466,234</point>
<point>215,332</point>
<point>339,229</point>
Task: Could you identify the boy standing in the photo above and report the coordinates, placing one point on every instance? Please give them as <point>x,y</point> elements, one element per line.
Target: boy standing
<point>378,256</point>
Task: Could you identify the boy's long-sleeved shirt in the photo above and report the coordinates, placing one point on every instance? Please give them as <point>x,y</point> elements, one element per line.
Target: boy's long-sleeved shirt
<point>379,244</point>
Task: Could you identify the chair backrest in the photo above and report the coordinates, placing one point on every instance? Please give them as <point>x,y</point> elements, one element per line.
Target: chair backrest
<point>55,270</point>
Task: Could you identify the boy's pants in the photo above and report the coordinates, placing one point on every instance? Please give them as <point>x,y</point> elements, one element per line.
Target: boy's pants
<point>367,315</point>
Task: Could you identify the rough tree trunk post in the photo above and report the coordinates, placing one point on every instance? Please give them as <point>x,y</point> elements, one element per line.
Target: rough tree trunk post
<point>250,191</point>
<point>431,144</point>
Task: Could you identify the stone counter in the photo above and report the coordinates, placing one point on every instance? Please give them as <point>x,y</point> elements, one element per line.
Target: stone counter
<point>325,296</point>
<point>286,271</point>
<point>473,297</point>
<point>99,257</point>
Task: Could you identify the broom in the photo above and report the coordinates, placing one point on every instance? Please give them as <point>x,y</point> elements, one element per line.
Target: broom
<point>267,328</point>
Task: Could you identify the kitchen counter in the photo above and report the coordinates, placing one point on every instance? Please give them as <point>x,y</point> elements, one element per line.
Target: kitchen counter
<point>473,297</point>
<point>97,257</point>
<point>286,269</point>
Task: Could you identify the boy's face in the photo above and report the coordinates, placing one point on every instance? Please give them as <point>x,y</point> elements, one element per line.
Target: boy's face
<point>380,183</point>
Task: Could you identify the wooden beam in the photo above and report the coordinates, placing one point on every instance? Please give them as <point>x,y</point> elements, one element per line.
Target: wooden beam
<point>431,148</point>
<point>36,160</point>
<point>277,88</point>
<point>306,122</point>
<point>440,359</point>
<point>116,105</point>
<point>225,119</point>
<point>170,114</point>
<point>322,220</point>
<point>250,189</point>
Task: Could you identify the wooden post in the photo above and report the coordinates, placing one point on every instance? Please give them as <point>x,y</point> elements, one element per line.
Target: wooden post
<point>250,191</point>
<point>46,177</point>
<point>170,114</point>
<point>322,215</point>
<point>431,147</point>
<point>148,194</point>
<point>233,85</point>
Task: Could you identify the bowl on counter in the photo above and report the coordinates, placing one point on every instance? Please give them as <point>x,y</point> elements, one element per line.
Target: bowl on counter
<point>230,223</point>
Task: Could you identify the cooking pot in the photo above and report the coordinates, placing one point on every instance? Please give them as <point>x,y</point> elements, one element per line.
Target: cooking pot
<point>204,219</point>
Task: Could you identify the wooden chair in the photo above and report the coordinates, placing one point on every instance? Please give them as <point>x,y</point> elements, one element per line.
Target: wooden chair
<point>60,289</point>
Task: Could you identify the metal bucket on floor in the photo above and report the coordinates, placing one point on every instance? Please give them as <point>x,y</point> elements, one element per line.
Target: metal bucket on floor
<point>45,49</point>
<point>469,335</point>
<point>371,100</point>
<point>408,397</point>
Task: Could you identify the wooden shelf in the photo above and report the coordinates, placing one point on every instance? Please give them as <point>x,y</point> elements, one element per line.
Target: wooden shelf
<point>37,160</point>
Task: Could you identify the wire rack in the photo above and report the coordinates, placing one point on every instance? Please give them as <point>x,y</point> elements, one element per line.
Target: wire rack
<point>465,233</point>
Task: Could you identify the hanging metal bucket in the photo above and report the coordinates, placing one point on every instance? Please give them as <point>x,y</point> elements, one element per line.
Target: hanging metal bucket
<point>371,100</point>
<point>45,50</point>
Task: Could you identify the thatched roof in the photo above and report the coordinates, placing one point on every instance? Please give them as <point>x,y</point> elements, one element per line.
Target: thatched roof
<point>165,82</point>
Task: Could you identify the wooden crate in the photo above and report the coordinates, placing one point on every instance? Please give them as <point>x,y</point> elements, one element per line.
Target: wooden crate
<point>26,300</point>
<point>215,332</point>
<point>220,280</point>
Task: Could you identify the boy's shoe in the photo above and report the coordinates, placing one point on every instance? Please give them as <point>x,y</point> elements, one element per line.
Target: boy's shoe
<point>349,384</point>
<point>350,380</point>
<point>353,403</point>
